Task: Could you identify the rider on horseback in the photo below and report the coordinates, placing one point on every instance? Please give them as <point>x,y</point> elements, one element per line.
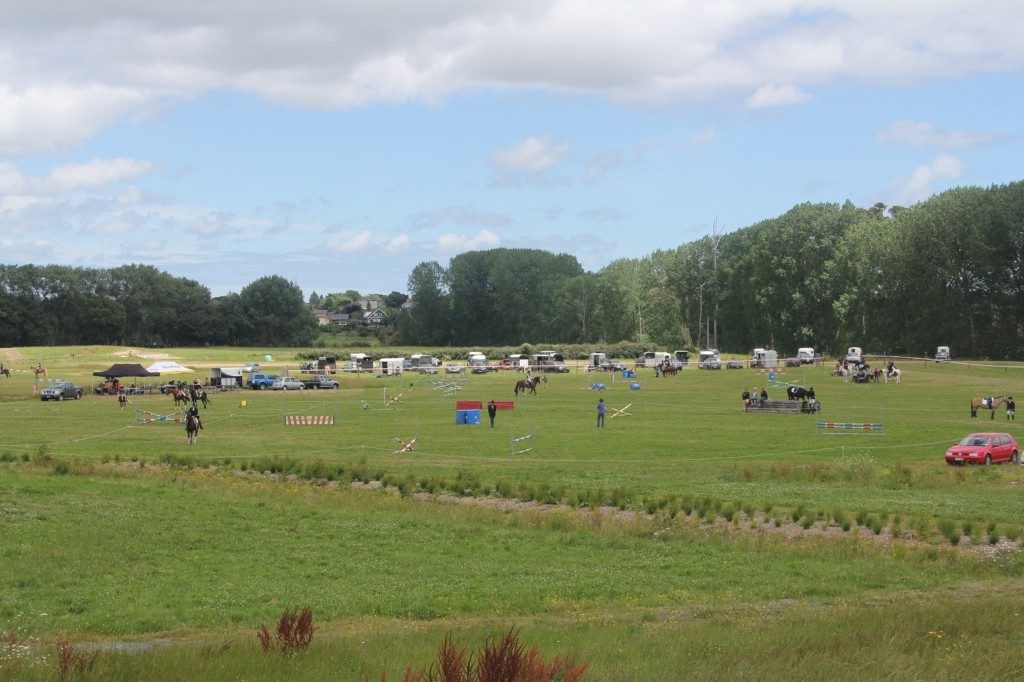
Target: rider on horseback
<point>193,412</point>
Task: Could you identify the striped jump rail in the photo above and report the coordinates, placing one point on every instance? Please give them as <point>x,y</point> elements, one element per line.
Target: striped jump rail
<point>852,426</point>
<point>309,420</point>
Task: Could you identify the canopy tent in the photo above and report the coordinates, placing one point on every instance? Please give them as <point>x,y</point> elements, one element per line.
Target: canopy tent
<point>167,367</point>
<point>125,370</point>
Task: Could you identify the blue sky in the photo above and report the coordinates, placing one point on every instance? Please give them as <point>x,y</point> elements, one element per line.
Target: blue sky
<point>339,146</point>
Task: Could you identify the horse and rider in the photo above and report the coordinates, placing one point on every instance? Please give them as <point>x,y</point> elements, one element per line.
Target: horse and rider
<point>193,423</point>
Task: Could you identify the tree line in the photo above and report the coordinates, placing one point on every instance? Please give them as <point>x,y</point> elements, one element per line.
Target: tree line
<point>56,305</point>
<point>947,271</point>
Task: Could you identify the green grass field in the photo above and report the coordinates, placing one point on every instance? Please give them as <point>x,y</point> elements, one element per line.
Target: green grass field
<point>117,531</point>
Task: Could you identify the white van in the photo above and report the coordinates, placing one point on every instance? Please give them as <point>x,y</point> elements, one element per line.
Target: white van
<point>942,354</point>
<point>682,358</point>
<point>854,354</point>
<point>805,355</point>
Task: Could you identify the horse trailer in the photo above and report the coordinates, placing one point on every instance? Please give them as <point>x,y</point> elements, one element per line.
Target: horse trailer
<point>681,358</point>
<point>709,359</point>
<point>390,366</point>
<point>653,358</point>
<point>854,354</point>
<point>806,356</point>
<point>548,361</point>
<point>764,358</point>
<point>942,354</point>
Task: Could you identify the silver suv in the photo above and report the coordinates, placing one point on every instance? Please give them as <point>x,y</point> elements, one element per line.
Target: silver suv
<point>60,390</point>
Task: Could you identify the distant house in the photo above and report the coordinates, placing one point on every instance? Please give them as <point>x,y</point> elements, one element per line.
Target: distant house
<point>370,303</point>
<point>375,316</point>
<point>326,317</point>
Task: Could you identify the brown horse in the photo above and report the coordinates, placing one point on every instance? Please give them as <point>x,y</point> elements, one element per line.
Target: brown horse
<point>192,428</point>
<point>986,404</point>
<point>122,400</point>
<point>527,385</point>
<point>6,372</point>
<point>179,396</point>
<point>39,369</point>
<point>668,368</point>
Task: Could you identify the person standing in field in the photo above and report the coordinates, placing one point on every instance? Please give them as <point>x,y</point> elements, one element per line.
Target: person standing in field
<point>1011,408</point>
<point>600,413</point>
<point>492,410</point>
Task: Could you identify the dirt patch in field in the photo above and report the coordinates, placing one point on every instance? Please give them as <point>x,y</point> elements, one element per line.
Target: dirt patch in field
<point>146,355</point>
<point>11,356</point>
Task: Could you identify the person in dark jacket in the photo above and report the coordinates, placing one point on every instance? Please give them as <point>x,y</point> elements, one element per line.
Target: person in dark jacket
<point>1011,408</point>
<point>492,410</point>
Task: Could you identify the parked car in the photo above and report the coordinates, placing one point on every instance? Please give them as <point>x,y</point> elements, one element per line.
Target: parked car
<point>320,381</point>
<point>286,384</point>
<point>734,364</point>
<point>983,448</point>
<point>262,381</point>
<point>453,369</point>
<point>251,367</point>
<point>60,390</point>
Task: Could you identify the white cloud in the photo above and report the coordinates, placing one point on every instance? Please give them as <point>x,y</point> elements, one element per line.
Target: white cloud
<point>533,154</point>
<point>926,135</point>
<point>459,215</point>
<point>399,242</point>
<point>484,239</point>
<point>922,181</point>
<point>775,95</point>
<point>68,73</point>
<point>96,173</point>
<point>349,242</point>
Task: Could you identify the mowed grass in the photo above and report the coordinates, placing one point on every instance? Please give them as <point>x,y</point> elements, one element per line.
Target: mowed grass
<point>100,548</point>
<point>683,435</point>
<point>145,553</point>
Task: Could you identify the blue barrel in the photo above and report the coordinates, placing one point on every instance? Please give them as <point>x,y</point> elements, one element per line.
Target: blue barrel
<point>634,387</point>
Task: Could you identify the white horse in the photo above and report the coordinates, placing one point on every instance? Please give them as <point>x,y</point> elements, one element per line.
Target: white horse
<point>895,376</point>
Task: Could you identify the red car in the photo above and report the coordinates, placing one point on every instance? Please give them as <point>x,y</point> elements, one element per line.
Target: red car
<point>983,448</point>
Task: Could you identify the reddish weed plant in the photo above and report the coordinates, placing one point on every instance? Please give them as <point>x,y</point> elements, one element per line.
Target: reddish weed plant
<point>499,660</point>
<point>72,659</point>
<point>293,634</point>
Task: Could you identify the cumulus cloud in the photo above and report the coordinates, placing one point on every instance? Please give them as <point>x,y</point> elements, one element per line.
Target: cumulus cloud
<point>452,242</point>
<point>926,135</point>
<point>533,154</point>
<point>64,75</point>
<point>772,95</point>
<point>922,181</point>
<point>348,241</point>
<point>71,177</point>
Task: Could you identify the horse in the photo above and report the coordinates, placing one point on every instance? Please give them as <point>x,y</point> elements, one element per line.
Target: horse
<point>527,384</point>
<point>986,404</point>
<point>799,393</point>
<point>179,396</point>
<point>192,428</point>
<point>668,368</point>
<point>122,400</point>
<point>39,369</point>
<point>895,375</point>
<point>197,395</point>
<point>6,372</point>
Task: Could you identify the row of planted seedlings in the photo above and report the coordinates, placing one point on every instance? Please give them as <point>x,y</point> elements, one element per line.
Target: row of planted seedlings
<point>738,514</point>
